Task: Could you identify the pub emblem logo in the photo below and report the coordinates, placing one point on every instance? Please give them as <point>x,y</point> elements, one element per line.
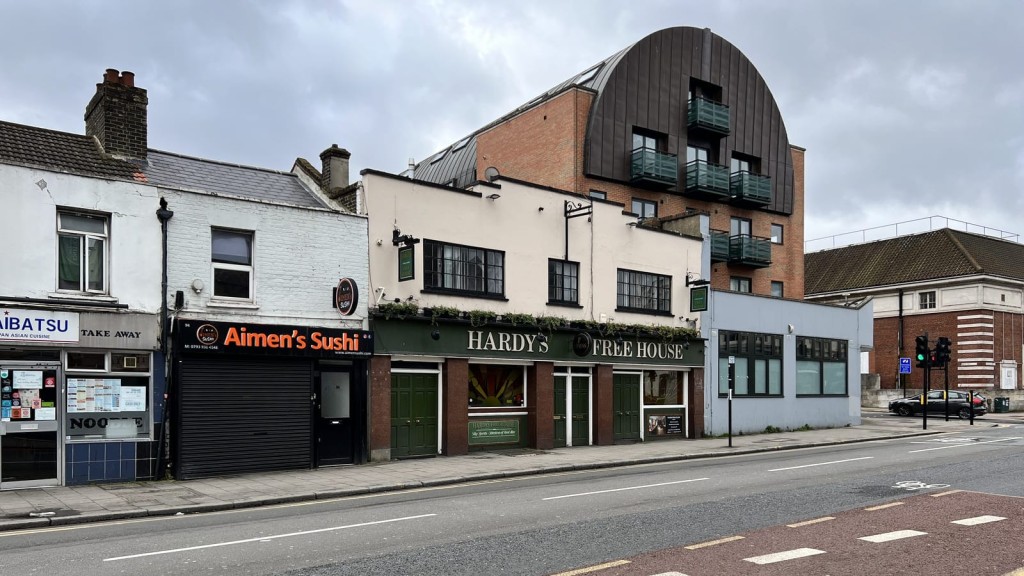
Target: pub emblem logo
<point>207,335</point>
<point>581,343</point>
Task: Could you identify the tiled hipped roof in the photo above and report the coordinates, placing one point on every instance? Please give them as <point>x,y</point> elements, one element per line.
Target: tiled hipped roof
<point>75,154</point>
<point>922,257</point>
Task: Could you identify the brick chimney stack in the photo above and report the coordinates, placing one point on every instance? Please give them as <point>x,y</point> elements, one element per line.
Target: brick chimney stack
<point>334,174</point>
<point>116,115</point>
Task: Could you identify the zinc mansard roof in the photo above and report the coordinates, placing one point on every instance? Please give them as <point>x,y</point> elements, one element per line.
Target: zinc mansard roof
<point>81,155</point>
<point>935,255</point>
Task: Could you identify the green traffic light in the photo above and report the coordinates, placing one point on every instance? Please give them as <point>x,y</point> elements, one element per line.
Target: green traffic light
<point>920,357</point>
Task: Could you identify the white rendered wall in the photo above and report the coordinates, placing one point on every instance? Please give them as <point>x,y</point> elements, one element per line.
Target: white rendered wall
<point>28,234</point>
<point>527,223</point>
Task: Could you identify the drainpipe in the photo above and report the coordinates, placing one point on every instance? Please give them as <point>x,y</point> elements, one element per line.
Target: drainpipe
<point>164,215</point>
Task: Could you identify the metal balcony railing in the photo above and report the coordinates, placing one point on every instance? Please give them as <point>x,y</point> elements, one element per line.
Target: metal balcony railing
<point>650,166</point>
<point>708,116</point>
<point>751,190</point>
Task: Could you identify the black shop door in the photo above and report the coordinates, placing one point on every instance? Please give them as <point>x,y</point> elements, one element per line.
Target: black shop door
<point>335,422</point>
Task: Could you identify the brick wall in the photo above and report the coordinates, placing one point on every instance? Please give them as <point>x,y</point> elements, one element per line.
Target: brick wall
<point>298,256</point>
<point>116,115</point>
<point>977,336</point>
<point>544,145</point>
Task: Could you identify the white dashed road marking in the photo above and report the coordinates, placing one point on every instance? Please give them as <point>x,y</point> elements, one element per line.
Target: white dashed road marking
<point>977,520</point>
<point>622,489</point>
<point>961,445</point>
<point>783,556</point>
<point>897,535</point>
<point>714,542</point>
<point>822,464</point>
<point>884,506</point>
<point>809,522</point>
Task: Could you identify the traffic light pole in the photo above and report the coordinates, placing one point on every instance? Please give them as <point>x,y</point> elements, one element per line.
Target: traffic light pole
<point>924,393</point>
<point>945,375</point>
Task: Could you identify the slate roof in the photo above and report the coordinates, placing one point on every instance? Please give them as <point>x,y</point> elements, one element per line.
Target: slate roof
<point>458,161</point>
<point>77,154</point>
<point>935,255</point>
<point>184,172</point>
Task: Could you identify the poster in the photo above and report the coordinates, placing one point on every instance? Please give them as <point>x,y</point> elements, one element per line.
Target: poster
<point>28,379</point>
<point>133,398</point>
<point>46,413</point>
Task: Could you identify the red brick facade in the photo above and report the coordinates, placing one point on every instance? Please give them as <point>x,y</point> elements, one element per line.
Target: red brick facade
<point>545,144</point>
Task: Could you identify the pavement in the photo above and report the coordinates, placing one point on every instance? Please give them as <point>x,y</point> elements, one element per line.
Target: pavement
<point>41,507</point>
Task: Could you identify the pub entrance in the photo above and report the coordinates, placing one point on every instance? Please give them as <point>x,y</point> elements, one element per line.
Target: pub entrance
<point>572,407</point>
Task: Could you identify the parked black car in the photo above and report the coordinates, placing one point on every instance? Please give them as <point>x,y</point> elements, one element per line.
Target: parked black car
<point>959,404</point>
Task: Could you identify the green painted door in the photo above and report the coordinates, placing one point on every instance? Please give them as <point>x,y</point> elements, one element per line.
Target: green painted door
<point>413,415</point>
<point>560,420</point>
<point>625,407</point>
<point>580,411</point>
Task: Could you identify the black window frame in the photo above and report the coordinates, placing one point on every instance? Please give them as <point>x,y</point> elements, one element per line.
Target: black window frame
<point>556,282</point>
<point>644,203</point>
<point>749,281</point>
<point>781,235</point>
<point>631,279</point>
<point>434,274</point>
<point>751,347</point>
<point>810,350</point>
<point>782,289</point>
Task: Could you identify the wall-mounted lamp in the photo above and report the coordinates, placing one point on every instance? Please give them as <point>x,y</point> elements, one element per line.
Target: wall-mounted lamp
<point>494,196</point>
<point>790,328</point>
<point>398,238</point>
<point>197,285</point>
<point>697,282</point>
<point>435,335</point>
<point>540,209</point>
<point>541,338</point>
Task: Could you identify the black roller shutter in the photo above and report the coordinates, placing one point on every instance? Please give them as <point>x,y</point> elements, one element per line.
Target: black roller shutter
<point>245,415</point>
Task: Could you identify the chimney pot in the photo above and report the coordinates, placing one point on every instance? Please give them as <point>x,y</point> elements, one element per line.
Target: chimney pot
<point>128,79</point>
<point>111,76</point>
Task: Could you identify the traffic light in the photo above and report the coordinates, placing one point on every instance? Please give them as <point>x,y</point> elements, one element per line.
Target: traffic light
<point>922,354</point>
<point>942,351</point>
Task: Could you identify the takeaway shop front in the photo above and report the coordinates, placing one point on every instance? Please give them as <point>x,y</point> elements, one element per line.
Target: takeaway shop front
<point>79,395</point>
<point>260,397</point>
<point>451,387</point>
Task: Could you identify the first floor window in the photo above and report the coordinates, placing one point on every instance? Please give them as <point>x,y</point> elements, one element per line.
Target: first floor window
<point>644,208</point>
<point>463,269</point>
<point>821,367</point>
<point>739,284</point>
<point>599,194</point>
<point>776,234</point>
<point>776,289</point>
<point>497,386</point>
<point>231,255</point>
<point>82,252</point>
<point>758,363</point>
<point>927,300</point>
<point>563,282</point>
<point>644,292</point>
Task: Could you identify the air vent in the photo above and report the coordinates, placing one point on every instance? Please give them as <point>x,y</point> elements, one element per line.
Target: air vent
<point>129,362</point>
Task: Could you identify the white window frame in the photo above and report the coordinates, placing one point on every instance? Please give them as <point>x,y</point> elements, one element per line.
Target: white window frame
<point>214,266</point>
<point>83,264</point>
<point>928,300</point>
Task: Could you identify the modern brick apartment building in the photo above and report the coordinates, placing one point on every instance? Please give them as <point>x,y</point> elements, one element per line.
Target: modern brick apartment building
<point>679,121</point>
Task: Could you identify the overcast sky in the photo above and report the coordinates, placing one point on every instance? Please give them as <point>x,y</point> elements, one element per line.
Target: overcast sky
<point>907,109</point>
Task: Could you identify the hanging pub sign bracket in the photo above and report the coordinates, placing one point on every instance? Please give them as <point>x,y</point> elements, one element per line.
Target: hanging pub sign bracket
<point>574,210</point>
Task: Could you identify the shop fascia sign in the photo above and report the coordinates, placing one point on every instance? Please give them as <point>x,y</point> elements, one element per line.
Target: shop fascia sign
<point>271,340</point>
<point>582,344</point>
<point>17,325</point>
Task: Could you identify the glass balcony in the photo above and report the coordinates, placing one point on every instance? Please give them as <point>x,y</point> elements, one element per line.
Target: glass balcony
<point>707,116</point>
<point>651,167</point>
<point>719,246</point>
<point>750,250</point>
<point>750,190</point>
<point>708,181</point>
